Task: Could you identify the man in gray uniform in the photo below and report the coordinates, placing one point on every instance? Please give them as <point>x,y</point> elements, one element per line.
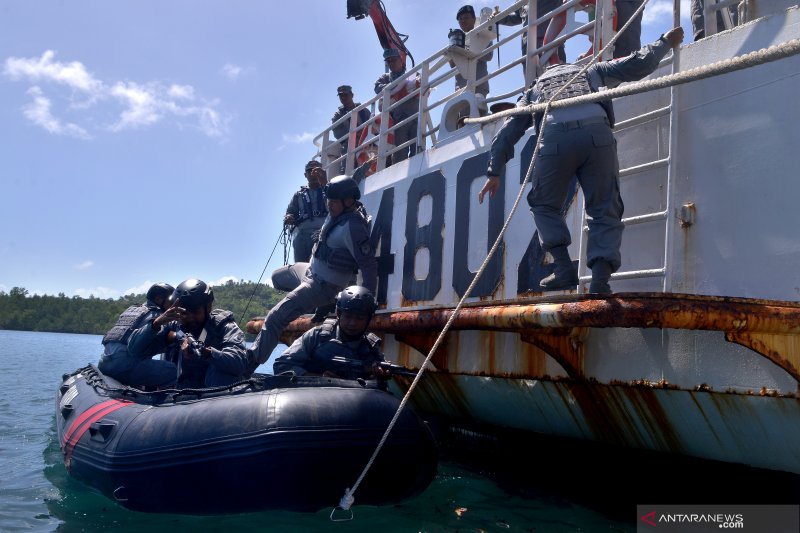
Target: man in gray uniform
<point>397,69</point>
<point>466,21</point>
<point>306,212</point>
<point>345,93</point>
<point>340,347</point>
<point>128,347</point>
<point>578,141</point>
<point>342,250</point>
<point>206,345</point>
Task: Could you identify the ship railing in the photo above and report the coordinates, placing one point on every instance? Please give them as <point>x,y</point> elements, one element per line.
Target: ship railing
<point>431,74</point>
<point>710,10</point>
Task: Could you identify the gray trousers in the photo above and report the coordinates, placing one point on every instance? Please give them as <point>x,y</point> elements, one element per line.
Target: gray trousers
<point>138,372</point>
<point>302,243</point>
<point>630,41</point>
<point>588,151</point>
<point>312,293</point>
<point>288,277</point>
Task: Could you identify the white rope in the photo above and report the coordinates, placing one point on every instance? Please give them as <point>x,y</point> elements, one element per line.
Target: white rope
<point>347,500</point>
<point>752,59</point>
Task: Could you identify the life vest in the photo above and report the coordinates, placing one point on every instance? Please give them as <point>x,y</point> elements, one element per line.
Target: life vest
<point>327,346</point>
<point>308,208</point>
<point>339,258</point>
<point>130,320</point>
<point>558,76</point>
<point>363,155</point>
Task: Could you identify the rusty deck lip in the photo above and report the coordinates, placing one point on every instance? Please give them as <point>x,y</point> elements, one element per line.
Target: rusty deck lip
<point>620,310</point>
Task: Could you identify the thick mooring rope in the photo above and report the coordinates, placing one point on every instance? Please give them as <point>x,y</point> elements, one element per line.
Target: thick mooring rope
<point>752,59</point>
<point>347,500</point>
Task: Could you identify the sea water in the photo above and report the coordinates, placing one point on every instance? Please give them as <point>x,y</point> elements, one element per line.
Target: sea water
<point>476,489</point>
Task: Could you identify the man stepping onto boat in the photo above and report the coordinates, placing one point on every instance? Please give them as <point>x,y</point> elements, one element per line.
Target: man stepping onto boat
<point>340,347</point>
<point>342,250</point>
<point>578,141</point>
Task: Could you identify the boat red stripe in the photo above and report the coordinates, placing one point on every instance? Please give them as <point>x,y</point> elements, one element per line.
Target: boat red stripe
<point>84,422</point>
<point>82,418</point>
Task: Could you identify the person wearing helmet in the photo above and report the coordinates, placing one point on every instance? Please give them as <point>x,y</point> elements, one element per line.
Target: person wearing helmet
<point>343,249</point>
<point>306,211</point>
<point>126,357</point>
<point>340,347</point>
<point>396,66</point>
<point>206,344</point>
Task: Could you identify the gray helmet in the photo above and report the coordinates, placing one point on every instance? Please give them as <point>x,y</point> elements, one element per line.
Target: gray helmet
<point>356,299</point>
<point>159,289</point>
<point>342,187</point>
<point>192,294</point>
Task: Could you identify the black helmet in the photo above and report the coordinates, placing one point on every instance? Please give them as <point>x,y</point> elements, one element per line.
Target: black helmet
<point>356,299</point>
<point>342,187</point>
<point>192,293</point>
<point>159,289</point>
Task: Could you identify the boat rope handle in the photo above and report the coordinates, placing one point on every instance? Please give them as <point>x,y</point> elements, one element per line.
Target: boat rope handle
<point>751,59</point>
<point>347,500</point>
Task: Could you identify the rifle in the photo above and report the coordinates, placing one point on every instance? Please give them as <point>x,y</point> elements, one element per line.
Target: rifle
<point>351,368</point>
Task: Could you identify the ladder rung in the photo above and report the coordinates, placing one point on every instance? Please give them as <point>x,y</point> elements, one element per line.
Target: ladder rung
<point>644,167</point>
<point>632,274</point>
<point>640,219</point>
<point>641,119</point>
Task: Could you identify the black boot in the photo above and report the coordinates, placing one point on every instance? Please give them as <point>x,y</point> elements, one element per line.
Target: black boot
<point>564,276</point>
<point>601,273</point>
<point>320,313</point>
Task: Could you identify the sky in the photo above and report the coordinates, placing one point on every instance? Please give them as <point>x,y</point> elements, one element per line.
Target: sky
<point>151,140</point>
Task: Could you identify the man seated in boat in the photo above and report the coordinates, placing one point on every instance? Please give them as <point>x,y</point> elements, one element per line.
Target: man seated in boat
<point>128,347</point>
<point>577,141</point>
<point>340,347</point>
<point>342,250</point>
<point>206,345</point>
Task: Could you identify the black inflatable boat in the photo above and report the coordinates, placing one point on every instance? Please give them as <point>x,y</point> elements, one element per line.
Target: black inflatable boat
<point>272,442</point>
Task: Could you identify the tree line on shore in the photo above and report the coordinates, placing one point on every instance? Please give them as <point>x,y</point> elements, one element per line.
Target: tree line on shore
<point>22,311</point>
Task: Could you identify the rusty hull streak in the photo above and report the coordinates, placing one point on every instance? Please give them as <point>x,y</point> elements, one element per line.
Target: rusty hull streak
<point>766,326</point>
<point>564,345</point>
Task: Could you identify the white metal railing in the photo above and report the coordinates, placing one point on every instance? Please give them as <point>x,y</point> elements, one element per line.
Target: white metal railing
<point>710,10</point>
<point>430,74</point>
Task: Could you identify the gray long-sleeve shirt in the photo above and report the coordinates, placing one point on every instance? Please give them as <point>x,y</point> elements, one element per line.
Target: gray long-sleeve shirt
<point>603,74</point>
<point>353,236</point>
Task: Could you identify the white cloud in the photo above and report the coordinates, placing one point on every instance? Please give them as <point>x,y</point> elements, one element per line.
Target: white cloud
<point>184,92</point>
<point>85,265</point>
<point>143,104</point>
<point>223,280</point>
<point>97,292</point>
<point>232,72</point>
<point>296,138</point>
<point>38,112</point>
<point>139,289</point>
<point>660,12</point>
<point>3,288</point>
<point>72,74</point>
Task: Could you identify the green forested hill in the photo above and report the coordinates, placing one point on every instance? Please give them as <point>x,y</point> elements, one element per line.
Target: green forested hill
<point>22,311</point>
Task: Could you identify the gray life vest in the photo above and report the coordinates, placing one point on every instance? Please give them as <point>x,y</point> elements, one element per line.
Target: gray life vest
<point>329,346</point>
<point>558,76</point>
<point>130,320</point>
<point>308,208</point>
<point>340,258</point>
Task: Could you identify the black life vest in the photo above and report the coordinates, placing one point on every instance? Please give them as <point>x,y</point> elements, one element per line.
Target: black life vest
<point>309,208</point>
<point>340,258</point>
<point>130,320</point>
<point>328,346</point>
<point>559,76</point>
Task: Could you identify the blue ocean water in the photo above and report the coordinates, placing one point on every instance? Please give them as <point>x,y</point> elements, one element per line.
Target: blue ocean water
<point>525,488</point>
